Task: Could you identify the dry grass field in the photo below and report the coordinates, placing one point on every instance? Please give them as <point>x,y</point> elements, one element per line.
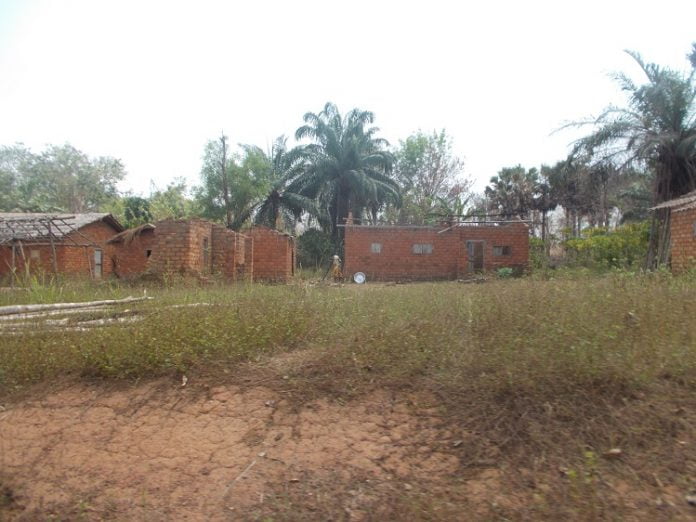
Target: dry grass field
<point>533,398</point>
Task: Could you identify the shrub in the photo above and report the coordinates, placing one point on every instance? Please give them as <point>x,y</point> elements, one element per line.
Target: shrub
<point>623,247</point>
<point>314,249</point>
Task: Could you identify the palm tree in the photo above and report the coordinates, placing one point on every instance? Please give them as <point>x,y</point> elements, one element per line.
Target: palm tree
<point>348,167</point>
<point>512,191</point>
<point>281,205</point>
<point>657,128</point>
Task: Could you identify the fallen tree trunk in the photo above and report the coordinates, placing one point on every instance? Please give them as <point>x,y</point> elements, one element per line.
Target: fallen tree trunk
<point>22,309</point>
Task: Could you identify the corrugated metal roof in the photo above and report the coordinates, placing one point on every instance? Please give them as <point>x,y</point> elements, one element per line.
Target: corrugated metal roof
<point>30,225</point>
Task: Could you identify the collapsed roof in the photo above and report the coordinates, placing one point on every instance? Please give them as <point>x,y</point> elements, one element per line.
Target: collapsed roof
<point>45,227</point>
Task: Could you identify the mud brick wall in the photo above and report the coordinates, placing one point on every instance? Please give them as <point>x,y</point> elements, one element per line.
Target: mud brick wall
<point>513,235</point>
<point>397,261</point>
<point>71,260</point>
<point>273,255</point>
<point>228,253</point>
<point>130,259</point>
<point>683,237</point>
<point>248,272</point>
<point>38,259</point>
<point>179,247</point>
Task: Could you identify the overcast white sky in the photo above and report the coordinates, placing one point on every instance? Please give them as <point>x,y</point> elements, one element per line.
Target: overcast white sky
<point>149,82</point>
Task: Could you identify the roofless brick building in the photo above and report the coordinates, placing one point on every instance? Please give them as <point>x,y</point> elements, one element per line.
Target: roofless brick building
<point>97,246</point>
<point>409,253</point>
<point>196,247</point>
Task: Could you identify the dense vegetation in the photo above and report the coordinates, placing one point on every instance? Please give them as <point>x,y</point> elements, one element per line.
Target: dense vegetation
<point>633,157</point>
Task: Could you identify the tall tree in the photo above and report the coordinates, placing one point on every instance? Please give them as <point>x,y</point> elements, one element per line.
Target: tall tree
<point>226,194</point>
<point>657,128</point>
<point>431,177</point>
<point>513,191</point>
<point>136,211</point>
<point>348,167</point>
<point>172,201</point>
<point>282,204</point>
<point>60,178</point>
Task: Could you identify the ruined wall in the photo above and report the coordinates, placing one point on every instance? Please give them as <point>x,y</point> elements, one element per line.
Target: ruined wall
<point>130,258</point>
<point>683,237</point>
<point>182,246</point>
<point>273,255</point>
<point>228,253</point>
<point>248,258</point>
<point>387,252</point>
<point>71,260</point>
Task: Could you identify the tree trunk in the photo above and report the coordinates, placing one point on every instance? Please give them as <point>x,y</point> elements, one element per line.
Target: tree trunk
<point>659,242</point>
<point>225,184</point>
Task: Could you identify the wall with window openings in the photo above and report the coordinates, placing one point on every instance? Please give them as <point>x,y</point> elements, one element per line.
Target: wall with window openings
<point>70,259</point>
<point>198,247</point>
<point>424,253</point>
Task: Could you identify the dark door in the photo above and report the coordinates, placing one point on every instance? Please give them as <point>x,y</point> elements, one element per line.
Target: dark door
<point>474,251</point>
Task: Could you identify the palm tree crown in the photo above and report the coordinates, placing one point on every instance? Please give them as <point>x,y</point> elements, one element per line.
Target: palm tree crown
<point>657,127</point>
<point>347,166</point>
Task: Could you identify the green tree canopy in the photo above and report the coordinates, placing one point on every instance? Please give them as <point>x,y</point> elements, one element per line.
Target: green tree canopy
<point>431,177</point>
<point>282,204</point>
<point>60,178</point>
<point>347,166</point>
<point>657,129</point>
<point>231,183</point>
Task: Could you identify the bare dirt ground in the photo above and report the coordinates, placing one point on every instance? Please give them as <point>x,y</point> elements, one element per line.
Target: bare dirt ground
<point>160,451</point>
<point>156,452</point>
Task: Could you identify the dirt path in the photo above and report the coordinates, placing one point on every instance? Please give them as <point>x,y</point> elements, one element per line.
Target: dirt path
<point>160,452</point>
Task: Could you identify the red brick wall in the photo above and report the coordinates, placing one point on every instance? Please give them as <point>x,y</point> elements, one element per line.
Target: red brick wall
<point>448,259</point>
<point>71,260</point>
<point>514,235</point>
<point>178,247</point>
<point>228,253</point>
<point>248,258</point>
<point>273,255</point>
<point>683,239</point>
<point>130,259</point>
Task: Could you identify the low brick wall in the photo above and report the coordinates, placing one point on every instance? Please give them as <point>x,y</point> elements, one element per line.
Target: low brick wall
<point>130,258</point>
<point>387,252</point>
<point>683,237</point>
<point>273,255</point>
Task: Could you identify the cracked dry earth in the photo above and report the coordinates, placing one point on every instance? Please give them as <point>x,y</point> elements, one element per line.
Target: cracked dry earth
<point>158,451</point>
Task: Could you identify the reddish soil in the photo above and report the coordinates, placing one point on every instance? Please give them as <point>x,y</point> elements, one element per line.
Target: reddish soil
<point>160,451</point>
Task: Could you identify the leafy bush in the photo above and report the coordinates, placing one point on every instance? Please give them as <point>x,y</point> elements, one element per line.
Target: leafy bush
<point>504,273</point>
<point>623,247</point>
<point>314,249</point>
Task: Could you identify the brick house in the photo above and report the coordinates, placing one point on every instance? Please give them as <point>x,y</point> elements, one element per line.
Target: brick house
<point>196,247</point>
<point>72,244</point>
<point>434,252</point>
<point>682,222</point>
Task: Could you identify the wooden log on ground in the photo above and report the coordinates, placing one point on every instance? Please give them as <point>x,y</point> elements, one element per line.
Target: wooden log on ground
<point>22,309</point>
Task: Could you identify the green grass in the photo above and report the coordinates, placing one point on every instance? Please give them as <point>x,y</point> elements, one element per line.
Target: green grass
<point>518,334</point>
<point>541,373</point>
